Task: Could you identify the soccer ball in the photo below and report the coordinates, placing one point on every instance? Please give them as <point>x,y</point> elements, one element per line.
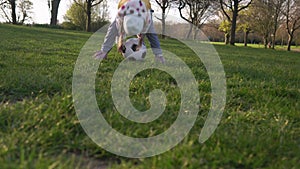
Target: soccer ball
<point>130,51</point>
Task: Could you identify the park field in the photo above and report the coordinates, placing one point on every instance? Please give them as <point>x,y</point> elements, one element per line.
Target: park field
<point>260,126</point>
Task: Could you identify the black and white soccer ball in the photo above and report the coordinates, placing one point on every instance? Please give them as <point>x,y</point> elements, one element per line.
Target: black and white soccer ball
<point>130,52</point>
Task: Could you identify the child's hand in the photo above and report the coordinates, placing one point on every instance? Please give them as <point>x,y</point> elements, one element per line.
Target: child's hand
<point>160,58</point>
<point>141,39</point>
<point>121,48</point>
<point>140,36</point>
<point>100,55</point>
<point>121,42</point>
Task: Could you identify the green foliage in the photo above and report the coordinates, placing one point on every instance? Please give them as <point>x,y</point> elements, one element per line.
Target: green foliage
<point>225,26</point>
<point>77,15</point>
<point>48,26</point>
<point>99,23</point>
<point>77,18</point>
<point>244,27</point>
<point>39,128</point>
<point>70,26</point>
<point>244,23</point>
<point>260,17</point>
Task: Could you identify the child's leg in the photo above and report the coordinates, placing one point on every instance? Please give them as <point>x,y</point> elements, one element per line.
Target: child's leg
<point>154,41</point>
<point>110,37</point>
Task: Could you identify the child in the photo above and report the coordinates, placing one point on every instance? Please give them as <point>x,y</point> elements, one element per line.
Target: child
<point>134,17</point>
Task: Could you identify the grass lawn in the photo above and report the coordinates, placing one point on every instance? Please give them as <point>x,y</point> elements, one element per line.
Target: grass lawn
<point>260,127</point>
<point>277,47</point>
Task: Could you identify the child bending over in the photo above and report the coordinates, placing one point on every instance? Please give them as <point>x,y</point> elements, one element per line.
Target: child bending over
<point>134,18</point>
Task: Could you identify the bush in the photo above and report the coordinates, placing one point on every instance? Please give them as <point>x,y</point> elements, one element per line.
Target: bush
<point>94,25</point>
<point>98,24</point>
<point>48,26</point>
<point>70,26</point>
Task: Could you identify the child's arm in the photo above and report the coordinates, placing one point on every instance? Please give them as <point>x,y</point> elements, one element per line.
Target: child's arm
<point>122,36</point>
<point>109,41</point>
<point>110,37</point>
<point>141,40</point>
<point>121,46</point>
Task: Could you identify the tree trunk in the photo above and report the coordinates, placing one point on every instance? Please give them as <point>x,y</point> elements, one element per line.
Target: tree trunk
<point>89,13</point>
<point>274,31</point>
<point>265,39</point>
<point>13,11</point>
<point>227,37</point>
<point>163,23</point>
<point>54,11</point>
<point>246,38</point>
<point>290,42</point>
<point>188,36</point>
<point>233,27</point>
<point>196,31</point>
<point>273,41</point>
<point>23,18</point>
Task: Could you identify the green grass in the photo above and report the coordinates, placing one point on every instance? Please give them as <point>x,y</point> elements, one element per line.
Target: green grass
<point>277,47</point>
<point>260,127</point>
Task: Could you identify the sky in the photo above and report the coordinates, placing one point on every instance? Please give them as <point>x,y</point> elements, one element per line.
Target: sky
<point>41,12</point>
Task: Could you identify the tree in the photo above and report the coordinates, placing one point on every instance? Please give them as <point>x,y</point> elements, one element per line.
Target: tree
<point>164,5</point>
<point>225,27</point>
<point>88,10</point>
<point>244,25</point>
<point>234,6</point>
<point>277,7</point>
<point>25,7</point>
<point>53,6</point>
<point>4,6</point>
<point>9,8</point>
<point>77,16</point>
<point>246,28</point>
<point>260,16</point>
<point>292,19</point>
<point>2,2</point>
<point>13,11</point>
<point>103,11</point>
<point>10,15</point>
<point>198,12</point>
<point>77,19</point>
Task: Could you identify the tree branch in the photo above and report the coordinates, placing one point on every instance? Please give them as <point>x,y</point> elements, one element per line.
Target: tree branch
<point>224,11</point>
<point>97,3</point>
<point>7,17</point>
<point>81,5</point>
<point>2,3</point>
<point>158,18</point>
<point>159,3</point>
<point>287,18</point>
<point>246,6</point>
<point>180,7</point>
